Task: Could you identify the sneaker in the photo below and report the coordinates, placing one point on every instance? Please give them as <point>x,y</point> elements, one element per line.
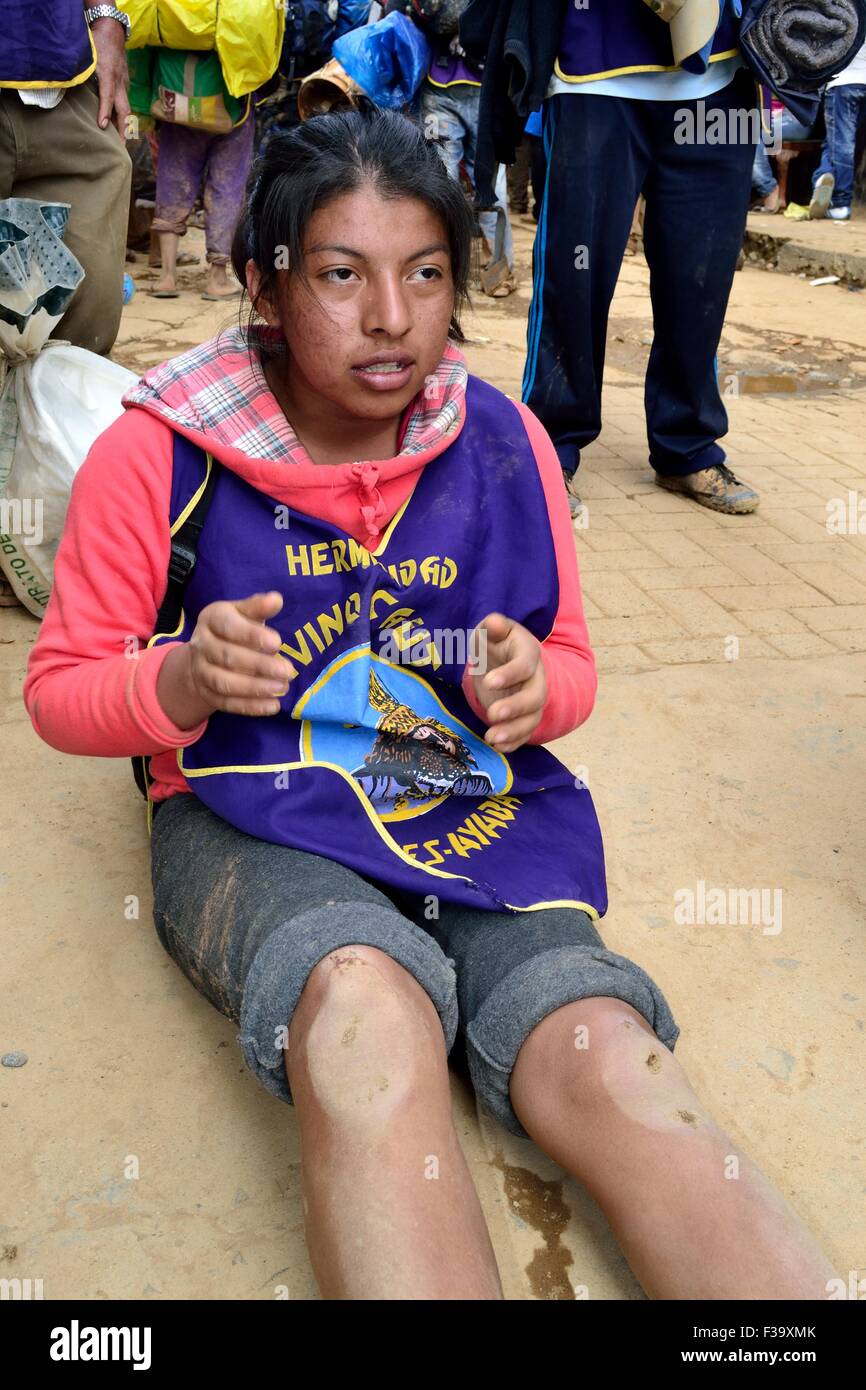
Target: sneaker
<point>714,487</point>
<point>839,214</point>
<point>575,505</point>
<point>821,195</point>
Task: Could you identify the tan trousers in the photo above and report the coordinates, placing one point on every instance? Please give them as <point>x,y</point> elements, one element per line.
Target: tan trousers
<point>61,156</point>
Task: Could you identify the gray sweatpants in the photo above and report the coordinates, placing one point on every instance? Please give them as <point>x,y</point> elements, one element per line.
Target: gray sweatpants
<point>247,920</point>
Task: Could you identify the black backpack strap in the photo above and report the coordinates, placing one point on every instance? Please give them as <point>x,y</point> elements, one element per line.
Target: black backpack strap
<point>184,548</point>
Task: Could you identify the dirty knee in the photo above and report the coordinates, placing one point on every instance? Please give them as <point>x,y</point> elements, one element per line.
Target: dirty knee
<point>605,1057</point>
<point>588,1027</point>
<point>370,1033</point>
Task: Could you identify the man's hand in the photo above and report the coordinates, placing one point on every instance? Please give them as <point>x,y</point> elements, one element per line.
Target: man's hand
<point>229,663</point>
<point>112,74</point>
<point>512,687</point>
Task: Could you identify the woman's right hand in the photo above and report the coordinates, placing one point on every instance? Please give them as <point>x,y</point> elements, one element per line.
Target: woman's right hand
<point>229,663</point>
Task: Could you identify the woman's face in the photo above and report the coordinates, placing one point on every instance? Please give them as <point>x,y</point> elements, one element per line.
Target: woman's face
<point>380,271</point>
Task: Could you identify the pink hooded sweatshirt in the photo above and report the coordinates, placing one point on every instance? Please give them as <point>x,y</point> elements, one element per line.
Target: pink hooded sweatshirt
<point>91,679</point>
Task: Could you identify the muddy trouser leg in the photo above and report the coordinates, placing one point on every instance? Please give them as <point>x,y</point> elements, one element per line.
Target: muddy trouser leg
<point>228,164</point>
<point>61,156</point>
<point>180,171</point>
<point>246,921</point>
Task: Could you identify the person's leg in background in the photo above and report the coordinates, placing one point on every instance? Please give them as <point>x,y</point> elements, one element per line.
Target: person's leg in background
<point>635,236</point>
<point>489,227</point>
<point>518,179</point>
<point>228,165</point>
<point>61,156</point>
<point>446,117</point>
<point>585,220</point>
<point>469,99</point>
<point>183,154</point>
<point>538,169</point>
<point>833,180</point>
<point>824,177</point>
<point>442,122</point>
<point>764,181</point>
<point>697,197</point>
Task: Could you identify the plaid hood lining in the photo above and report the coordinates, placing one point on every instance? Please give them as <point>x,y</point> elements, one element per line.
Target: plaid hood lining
<point>218,390</point>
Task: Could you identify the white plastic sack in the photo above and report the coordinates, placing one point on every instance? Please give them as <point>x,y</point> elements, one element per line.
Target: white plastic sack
<point>52,407</point>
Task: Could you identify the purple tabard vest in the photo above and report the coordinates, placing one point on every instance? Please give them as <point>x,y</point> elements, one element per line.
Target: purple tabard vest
<point>376,759</point>
<point>45,45</point>
<point>622,36</point>
<point>447,68</point>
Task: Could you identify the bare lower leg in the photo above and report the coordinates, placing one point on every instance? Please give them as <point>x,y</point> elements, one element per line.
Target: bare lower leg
<point>168,243</point>
<point>390,1207</point>
<point>694,1216</point>
<point>154,258</point>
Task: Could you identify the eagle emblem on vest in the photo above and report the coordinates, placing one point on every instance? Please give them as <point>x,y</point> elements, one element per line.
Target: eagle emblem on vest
<point>415,756</point>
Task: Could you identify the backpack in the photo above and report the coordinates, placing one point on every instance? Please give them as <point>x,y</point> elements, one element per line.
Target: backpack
<point>188,89</point>
<point>184,545</point>
<point>311,27</point>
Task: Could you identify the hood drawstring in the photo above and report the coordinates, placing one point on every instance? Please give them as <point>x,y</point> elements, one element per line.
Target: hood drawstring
<point>370,499</point>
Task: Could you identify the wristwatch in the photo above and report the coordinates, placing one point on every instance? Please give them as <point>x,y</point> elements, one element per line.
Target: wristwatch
<point>109,12</point>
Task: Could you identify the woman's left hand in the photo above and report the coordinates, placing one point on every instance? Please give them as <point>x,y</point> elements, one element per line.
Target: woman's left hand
<point>508,679</point>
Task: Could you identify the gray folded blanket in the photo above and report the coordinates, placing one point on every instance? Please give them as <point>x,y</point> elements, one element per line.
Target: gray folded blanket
<point>800,41</point>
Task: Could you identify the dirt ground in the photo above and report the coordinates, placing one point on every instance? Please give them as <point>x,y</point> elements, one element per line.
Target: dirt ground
<point>146,1162</point>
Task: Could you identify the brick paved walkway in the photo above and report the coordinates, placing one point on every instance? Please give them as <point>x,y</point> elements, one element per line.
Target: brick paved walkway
<point>667,581</point>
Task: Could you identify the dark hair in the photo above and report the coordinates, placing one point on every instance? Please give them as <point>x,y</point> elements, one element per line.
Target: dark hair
<point>303,169</point>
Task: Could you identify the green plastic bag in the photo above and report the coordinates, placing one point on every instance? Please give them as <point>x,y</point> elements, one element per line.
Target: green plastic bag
<point>188,89</point>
